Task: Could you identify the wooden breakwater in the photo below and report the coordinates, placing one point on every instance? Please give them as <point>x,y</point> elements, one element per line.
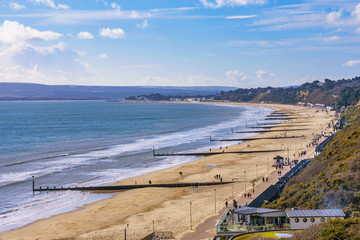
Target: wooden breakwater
<point>271,130</point>
<point>211,153</point>
<point>251,139</point>
<point>269,123</point>
<point>276,126</point>
<point>125,187</point>
<point>280,118</point>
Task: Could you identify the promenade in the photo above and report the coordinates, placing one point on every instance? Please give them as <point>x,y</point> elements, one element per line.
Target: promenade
<point>207,229</point>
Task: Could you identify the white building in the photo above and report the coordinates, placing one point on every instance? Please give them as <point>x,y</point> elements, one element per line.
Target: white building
<point>302,219</point>
<point>262,219</point>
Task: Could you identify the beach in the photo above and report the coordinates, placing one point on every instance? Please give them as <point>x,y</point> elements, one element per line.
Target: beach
<point>168,209</point>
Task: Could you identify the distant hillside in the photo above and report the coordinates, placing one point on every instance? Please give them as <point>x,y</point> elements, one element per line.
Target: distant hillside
<point>29,91</point>
<point>332,180</point>
<point>332,93</point>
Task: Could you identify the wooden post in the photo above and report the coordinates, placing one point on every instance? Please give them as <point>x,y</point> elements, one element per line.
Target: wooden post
<point>33,183</point>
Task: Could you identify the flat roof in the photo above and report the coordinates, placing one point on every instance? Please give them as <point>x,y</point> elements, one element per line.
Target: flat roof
<point>315,213</point>
<point>253,210</point>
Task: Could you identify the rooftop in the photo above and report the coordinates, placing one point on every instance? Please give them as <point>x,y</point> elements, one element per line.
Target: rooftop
<point>315,213</point>
<point>253,210</point>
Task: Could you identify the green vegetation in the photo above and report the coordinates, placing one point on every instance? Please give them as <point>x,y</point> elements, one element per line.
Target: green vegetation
<point>332,93</point>
<point>348,229</point>
<point>332,180</point>
<point>340,93</point>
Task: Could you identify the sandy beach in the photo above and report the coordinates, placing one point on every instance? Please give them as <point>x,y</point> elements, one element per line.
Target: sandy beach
<point>168,209</point>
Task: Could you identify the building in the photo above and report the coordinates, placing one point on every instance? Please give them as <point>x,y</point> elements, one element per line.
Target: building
<point>302,219</point>
<point>252,219</point>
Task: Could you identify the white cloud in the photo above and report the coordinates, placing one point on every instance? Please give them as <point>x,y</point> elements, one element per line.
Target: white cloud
<point>334,18</point>
<point>16,6</point>
<point>17,73</point>
<point>352,63</point>
<point>356,13</point>
<point>61,46</point>
<point>261,74</point>
<point>103,56</point>
<point>14,32</point>
<point>240,17</point>
<point>17,48</point>
<point>143,25</point>
<point>115,6</point>
<point>51,4</point>
<point>114,33</point>
<point>230,3</point>
<point>332,38</point>
<point>86,65</point>
<point>85,35</point>
<point>236,75</point>
<point>80,53</point>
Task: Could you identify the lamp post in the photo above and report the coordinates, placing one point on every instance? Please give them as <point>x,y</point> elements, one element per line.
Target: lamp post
<point>257,175</point>
<point>268,165</point>
<point>232,186</point>
<point>288,154</point>
<point>153,222</point>
<point>215,199</point>
<point>190,217</point>
<point>125,230</point>
<point>244,181</point>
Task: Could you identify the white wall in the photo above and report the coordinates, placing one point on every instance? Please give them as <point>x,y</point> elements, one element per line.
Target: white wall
<point>303,225</point>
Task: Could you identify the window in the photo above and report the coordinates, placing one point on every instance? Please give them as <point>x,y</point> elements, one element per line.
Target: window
<point>322,219</point>
<point>304,219</point>
<point>296,219</point>
<point>312,219</point>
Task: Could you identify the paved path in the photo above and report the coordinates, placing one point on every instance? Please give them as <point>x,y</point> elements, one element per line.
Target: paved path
<point>207,229</point>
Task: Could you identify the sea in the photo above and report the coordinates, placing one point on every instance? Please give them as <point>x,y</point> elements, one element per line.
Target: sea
<point>94,143</point>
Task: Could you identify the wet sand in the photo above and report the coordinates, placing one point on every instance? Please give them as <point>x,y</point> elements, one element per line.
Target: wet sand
<point>168,209</point>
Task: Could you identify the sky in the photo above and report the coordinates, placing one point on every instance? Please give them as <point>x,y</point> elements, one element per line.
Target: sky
<point>239,43</point>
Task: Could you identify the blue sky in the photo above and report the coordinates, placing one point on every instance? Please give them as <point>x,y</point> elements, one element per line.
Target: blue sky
<point>241,43</point>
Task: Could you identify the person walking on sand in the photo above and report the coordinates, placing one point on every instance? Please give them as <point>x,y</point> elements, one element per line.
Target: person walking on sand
<point>253,189</point>
<point>226,204</point>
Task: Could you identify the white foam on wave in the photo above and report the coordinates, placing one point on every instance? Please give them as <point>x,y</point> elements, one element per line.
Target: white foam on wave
<point>138,146</point>
<point>61,202</point>
<point>44,205</point>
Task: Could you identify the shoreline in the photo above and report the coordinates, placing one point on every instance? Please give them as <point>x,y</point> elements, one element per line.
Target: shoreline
<point>157,199</point>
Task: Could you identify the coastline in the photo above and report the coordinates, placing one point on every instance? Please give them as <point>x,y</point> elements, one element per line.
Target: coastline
<point>169,208</point>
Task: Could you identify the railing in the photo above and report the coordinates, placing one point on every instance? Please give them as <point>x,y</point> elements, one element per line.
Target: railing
<point>159,235</point>
<point>250,228</point>
<point>223,218</point>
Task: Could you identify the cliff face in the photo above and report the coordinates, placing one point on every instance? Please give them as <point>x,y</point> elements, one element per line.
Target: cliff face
<point>332,180</point>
